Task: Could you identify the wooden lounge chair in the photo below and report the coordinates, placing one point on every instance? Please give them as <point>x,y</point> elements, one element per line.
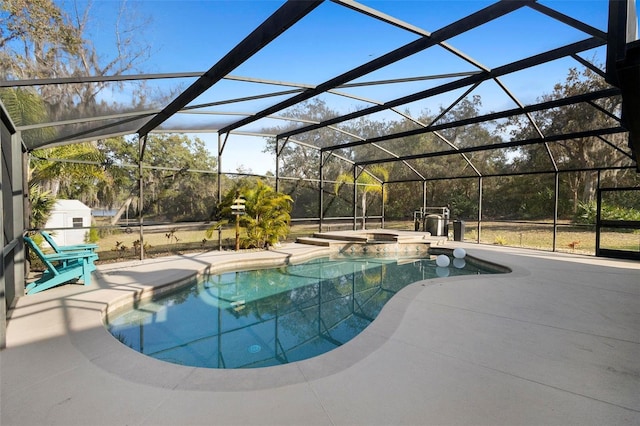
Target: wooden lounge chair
<point>61,267</point>
<point>64,249</point>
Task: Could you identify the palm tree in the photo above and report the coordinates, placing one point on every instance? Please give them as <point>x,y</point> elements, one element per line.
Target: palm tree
<point>26,107</point>
<point>369,181</point>
<point>75,177</point>
<point>41,202</point>
<point>268,215</point>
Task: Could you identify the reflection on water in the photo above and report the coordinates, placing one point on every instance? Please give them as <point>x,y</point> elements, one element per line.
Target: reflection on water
<point>272,316</point>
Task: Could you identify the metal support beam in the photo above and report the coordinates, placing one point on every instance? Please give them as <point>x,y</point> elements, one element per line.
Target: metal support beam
<point>321,192</point>
<point>382,208</point>
<point>622,29</point>
<point>589,65</point>
<point>621,151</point>
<point>537,172</point>
<point>479,208</point>
<point>424,198</point>
<point>463,25</point>
<point>579,25</point>
<point>278,165</point>
<point>623,66</point>
<point>529,62</point>
<point>220,149</point>
<point>11,283</point>
<point>142,141</point>
<point>355,197</point>
<point>503,145</point>
<point>483,118</point>
<point>14,220</point>
<point>282,19</point>
<point>629,79</point>
<point>598,216</point>
<point>443,113</point>
<point>556,193</point>
<point>95,79</point>
<point>605,112</point>
<point>407,27</point>
<point>20,206</point>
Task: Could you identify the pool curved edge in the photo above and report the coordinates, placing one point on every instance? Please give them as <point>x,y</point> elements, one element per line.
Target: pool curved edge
<point>263,259</point>
<point>130,365</point>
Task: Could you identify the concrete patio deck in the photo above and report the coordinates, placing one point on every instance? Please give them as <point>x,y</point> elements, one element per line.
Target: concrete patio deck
<point>555,342</point>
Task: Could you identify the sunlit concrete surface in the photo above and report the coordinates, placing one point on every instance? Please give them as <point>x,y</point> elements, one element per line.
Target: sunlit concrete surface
<point>555,342</point>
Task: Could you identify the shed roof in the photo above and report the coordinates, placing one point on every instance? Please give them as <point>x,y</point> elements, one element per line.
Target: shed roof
<point>70,205</point>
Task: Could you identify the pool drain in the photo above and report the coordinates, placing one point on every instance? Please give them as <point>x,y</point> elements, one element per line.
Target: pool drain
<point>254,349</point>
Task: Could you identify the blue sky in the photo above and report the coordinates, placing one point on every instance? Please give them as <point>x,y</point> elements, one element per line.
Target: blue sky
<point>202,31</point>
<point>193,35</point>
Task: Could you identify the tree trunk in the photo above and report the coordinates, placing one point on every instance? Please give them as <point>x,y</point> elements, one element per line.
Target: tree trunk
<point>122,209</point>
<point>52,185</point>
<point>589,189</point>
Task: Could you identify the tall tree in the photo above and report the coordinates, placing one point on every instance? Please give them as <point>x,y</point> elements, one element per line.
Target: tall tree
<point>39,39</point>
<point>572,154</point>
<point>179,175</point>
<point>368,182</point>
<point>298,160</point>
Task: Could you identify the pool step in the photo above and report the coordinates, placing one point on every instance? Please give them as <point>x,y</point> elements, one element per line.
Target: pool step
<point>377,241</point>
<point>380,236</point>
<point>314,241</point>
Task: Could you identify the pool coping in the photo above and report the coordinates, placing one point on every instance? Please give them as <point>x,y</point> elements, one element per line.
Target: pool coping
<point>332,362</point>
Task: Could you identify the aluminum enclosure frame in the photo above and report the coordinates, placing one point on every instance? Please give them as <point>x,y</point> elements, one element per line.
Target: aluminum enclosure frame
<point>622,72</point>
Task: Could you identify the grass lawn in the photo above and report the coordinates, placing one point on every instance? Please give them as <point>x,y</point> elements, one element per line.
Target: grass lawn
<point>119,245</point>
<point>569,238</point>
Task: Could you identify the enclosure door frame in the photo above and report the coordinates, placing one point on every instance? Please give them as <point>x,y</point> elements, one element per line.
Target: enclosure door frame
<point>617,224</point>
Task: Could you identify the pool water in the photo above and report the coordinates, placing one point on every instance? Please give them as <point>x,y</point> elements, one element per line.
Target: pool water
<point>273,316</point>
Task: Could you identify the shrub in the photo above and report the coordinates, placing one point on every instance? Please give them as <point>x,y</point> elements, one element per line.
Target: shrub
<point>92,236</point>
<point>500,240</point>
<point>587,212</point>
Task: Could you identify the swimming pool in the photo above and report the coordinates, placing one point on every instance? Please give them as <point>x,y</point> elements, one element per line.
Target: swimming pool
<point>273,316</point>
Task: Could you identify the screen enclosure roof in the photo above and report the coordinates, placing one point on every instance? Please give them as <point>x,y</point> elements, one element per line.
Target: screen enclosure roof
<point>376,82</point>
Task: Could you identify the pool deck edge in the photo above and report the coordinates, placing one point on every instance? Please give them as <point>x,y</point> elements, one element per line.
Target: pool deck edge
<point>555,342</point>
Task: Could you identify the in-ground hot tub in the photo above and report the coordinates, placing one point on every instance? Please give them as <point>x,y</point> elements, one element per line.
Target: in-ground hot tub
<point>372,242</point>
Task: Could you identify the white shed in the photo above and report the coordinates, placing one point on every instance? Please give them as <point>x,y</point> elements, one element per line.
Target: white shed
<point>69,214</point>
